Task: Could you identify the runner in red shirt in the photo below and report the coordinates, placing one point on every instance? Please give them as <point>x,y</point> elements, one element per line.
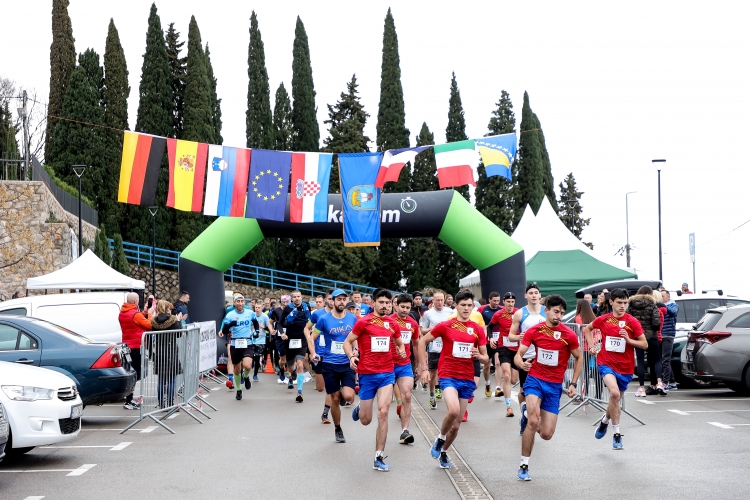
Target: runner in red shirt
<point>621,333</point>
<point>403,372</point>
<point>463,341</point>
<point>374,334</point>
<point>554,345</point>
<point>506,350</point>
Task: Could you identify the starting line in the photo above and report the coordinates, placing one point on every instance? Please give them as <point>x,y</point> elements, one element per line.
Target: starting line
<point>71,472</point>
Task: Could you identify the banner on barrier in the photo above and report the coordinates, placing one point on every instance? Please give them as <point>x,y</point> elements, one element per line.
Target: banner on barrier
<point>208,346</point>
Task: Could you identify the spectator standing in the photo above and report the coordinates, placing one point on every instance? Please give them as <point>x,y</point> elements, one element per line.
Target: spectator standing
<point>417,308</point>
<point>602,305</point>
<point>133,324</point>
<point>667,336</point>
<point>18,295</point>
<point>643,308</point>
<point>164,352</point>
<point>585,316</point>
<point>449,304</point>
<point>181,306</point>
<point>686,289</point>
<point>590,299</point>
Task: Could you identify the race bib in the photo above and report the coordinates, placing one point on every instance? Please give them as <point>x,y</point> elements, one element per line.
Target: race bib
<point>406,336</point>
<point>615,344</point>
<point>547,357</point>
<point>495,336</point>
<point>322,341</point>
<point>337,347</point>
<point>462,349</point>
<point>508,343</point>
<point>381,344</point>
<point>436,345</point>
<point>240,343</point>
<point>295,343</point>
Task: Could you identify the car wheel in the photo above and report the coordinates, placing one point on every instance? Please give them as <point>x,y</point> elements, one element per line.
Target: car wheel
<point>12,454</point>
<point>738,387</point>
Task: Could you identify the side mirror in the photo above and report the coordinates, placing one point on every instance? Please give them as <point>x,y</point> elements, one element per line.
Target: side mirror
<point>720,292</point>
<point>679,293</point>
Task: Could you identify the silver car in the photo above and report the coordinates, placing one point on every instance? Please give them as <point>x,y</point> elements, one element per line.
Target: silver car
<point>718,348</point>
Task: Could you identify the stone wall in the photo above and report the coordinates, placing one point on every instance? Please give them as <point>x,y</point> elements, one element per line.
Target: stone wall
<point>34,225</point>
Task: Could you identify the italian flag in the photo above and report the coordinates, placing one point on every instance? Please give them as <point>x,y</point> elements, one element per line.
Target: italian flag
<point>456,162</point>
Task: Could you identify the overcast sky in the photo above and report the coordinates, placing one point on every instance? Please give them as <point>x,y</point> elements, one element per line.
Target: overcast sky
<point>615,85</point>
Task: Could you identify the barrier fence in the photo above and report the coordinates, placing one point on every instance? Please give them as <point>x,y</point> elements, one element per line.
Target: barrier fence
<point>591,389</point>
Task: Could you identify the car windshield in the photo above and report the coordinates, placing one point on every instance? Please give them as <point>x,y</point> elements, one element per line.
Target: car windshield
<point>62,331</point>
<point>708,321</point>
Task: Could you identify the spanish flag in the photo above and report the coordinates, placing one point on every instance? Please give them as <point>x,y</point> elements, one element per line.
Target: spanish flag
<point>187,174</point>
<point>139,170</point>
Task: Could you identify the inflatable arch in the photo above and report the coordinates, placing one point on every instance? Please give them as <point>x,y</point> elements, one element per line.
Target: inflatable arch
<point>442,214</point>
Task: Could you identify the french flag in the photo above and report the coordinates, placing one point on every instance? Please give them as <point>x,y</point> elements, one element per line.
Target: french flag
<point>226,181</point>
<point>393,161</point>
<point>311,174</point>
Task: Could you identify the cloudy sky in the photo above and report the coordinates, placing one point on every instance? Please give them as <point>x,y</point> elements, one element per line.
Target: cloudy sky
<point>615,85</point>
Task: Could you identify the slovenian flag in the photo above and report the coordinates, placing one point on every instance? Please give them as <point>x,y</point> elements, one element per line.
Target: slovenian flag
<point>497,153</point>
<point>226,181</point>
<point>456,162</point>
<point>393,161</point>
<point>311,173</point>
<point>187,174</point>
<point>139,169</point>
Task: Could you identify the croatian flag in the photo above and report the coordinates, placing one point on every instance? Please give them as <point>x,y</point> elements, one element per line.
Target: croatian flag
<point>393,161</point>
<point>226,181</point>
<point>311,173</point>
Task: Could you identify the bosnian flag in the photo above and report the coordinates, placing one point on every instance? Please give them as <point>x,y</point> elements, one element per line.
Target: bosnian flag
<point>456,162</point>
<point>311,173</point>
<point>393,161</point>
<point>226,181</point>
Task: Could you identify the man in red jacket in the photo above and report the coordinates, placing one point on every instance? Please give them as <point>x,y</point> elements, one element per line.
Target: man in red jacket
<point>133,324</point>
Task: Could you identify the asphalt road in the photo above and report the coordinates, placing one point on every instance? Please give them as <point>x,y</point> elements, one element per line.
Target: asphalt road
<point>695,445</point>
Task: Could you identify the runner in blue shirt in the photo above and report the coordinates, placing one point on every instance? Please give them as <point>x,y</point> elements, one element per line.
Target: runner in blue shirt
<point>317,368</point>
<point>339,378</point>
<point>237,326</point>
<point>259,339</point>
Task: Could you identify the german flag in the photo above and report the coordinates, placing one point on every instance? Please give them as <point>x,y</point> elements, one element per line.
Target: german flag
<point>139,171</point>
<point>187,174</point>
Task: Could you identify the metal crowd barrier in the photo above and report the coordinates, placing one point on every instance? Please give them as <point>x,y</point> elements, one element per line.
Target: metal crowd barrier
<point>591,388</point>
<point>170,379</point>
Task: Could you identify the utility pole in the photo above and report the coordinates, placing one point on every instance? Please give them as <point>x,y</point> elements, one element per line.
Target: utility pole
<point>627,231</point>
<point>25,170</point>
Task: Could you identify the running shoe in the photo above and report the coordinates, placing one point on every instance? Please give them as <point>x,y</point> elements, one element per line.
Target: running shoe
<point>299,397</point>
<point>281,381</point>
<point>239,396</point>
<point>290,386</point>
<point>660,390</point>
<point>340,436</point>
<point>640,393</point>
<point>471,399</point>
<point>406,437</point>
<point>509,412</point>
<point>438,393</point>
<point>229,384</point>
<point>466,416</point>
<point>424,387</point>
<point>444,462</point>
<point>355,413</point>
<point>255,378</point>
<point>499,392</point>
<point>651,391</point>
<point>617,442</point>
<point>523,473</point>
<point>342,402</point>
<point>347,404</point>
<point>414,387</point>
<point>324,418</point>
<point>487,391</point>
<point>356,389</point>
<point>131,405</point>
<point>601,430</point>
<point>672,386</point>
<point>433,404</point>
<point>248,384</point>
<point>523,420</point>
<point>398,411</point>
<point>380,465</point>
<point>437,447</point>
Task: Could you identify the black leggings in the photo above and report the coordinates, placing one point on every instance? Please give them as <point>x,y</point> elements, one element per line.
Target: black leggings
<point>654,361</point>
<point>258,359</point>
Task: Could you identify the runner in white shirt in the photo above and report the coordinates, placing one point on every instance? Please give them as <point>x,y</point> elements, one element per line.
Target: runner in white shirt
<point>437,314</point>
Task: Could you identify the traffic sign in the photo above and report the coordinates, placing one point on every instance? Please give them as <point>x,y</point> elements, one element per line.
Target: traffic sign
<point>692,247</point>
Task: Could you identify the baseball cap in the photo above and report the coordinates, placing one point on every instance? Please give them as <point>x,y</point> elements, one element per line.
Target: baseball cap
<point>337,292</point>
<point>416,294</point>
<point>685,284</point>
<point>532,285</point>
<point>351,304</point>
<point>509,295</point>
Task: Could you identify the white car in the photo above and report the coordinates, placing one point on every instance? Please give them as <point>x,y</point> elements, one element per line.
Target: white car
<point>42,406</point>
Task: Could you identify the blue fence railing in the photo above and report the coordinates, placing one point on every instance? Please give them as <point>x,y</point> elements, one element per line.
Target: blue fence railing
<point>242,273</point>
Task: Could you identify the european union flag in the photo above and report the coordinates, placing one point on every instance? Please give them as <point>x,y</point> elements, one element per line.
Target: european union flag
<point>497,153</point>
<point>360,198</point>
<point>268,184</point>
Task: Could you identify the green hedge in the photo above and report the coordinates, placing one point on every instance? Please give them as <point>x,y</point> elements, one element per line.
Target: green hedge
<point>73,191</point>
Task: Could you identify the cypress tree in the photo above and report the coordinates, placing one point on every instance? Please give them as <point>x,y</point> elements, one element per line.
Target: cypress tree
<point>570,208</point>
<point>8,131</point>
<point>101,246</point>
<point>119,261</point>
<point>115,96</point>
<point>456,129</point>
<point>529,188</point>
<point>215,101</point>
<point>493,194</point>
<point>177,70</point>
<point>304,120</point>
<point>547,180</point>
<point>282,121</point>
<point>259,123</point>
<point>155,116</point>
<point>62,59</point>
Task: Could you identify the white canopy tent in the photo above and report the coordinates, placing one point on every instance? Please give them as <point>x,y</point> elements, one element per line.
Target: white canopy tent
<point>87,272</point>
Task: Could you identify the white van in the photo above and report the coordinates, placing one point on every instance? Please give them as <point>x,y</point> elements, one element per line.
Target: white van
<point>91,314</point>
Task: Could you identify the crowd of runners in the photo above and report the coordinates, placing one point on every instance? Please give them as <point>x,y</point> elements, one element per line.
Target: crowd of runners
<point>385,345</point>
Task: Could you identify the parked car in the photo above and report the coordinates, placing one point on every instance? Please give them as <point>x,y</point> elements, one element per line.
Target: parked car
<point>631,285</point>
<point>4,431</point>
<point>91,314</point>
<point>102,372</point>
<point>42,407</point>
<point>718,349</point>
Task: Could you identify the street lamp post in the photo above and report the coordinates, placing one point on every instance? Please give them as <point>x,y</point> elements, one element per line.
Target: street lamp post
<point>571,214</point>
<point>659,164</point>
<point>78,170</point>
<point>627,231</point>
<point>152,210</point>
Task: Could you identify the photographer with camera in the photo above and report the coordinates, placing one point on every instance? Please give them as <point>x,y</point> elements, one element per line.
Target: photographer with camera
<point>133,324</point>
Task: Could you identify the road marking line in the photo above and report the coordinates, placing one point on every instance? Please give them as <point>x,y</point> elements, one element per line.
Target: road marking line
<point>679,412</point>
<point>721,426</point>
<point>645,402</point>
<point>150,428</point>
<point>133,429</point>
<point>107,416</point>
<point>715,411</point>
<point>81,470</point>
<point>706,400</point>
<point>216,388</point>
<point>174,415</point>
<point>34,498</point>
<point>121,446</point>
<point>46,447</point>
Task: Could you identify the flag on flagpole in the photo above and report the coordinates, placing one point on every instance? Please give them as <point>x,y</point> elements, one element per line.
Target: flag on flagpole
<point>311,173</point>
<point>360,198</point>
<point>269,184</point>
<point>393,161</point>
<point>456,162</point>
<point>187,174</point>
<point>139,169</point>
<point>226,181</point>
<point>497,153</point>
